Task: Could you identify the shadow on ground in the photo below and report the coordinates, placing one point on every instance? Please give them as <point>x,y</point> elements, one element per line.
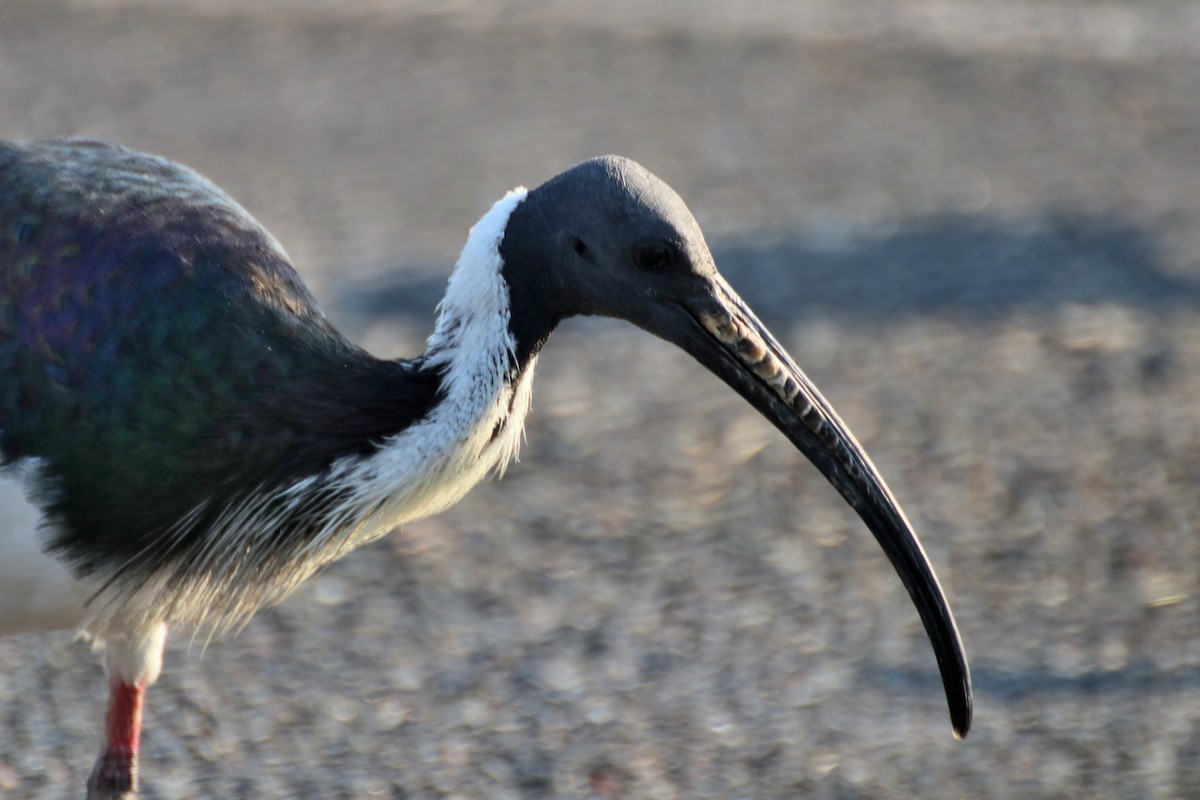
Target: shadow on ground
<point>958,267</point>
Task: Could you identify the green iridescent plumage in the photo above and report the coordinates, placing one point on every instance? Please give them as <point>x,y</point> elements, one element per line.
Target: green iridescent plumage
<point>151,336</point>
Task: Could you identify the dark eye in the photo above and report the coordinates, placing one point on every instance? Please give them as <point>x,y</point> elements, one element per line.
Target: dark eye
<point>653,256</point>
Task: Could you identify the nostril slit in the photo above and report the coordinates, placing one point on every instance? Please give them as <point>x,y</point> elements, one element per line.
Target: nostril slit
<point>581,249</point>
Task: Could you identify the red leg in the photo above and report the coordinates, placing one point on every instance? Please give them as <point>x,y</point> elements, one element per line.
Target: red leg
<point>115,774</point>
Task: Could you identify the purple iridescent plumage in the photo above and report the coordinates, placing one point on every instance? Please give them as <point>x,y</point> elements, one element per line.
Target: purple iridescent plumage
<point>151,336</point>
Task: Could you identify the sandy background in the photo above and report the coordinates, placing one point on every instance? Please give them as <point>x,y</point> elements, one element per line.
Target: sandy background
<point>974,223</point>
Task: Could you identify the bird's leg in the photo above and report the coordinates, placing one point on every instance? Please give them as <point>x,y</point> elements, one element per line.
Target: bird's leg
<point>115,774</point>
<point>133,660</point>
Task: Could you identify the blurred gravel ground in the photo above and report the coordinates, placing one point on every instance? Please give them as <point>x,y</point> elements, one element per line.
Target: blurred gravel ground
<point>973,223</point>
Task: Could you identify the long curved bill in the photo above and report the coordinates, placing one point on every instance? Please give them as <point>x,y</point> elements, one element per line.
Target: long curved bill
<point>721,332</point>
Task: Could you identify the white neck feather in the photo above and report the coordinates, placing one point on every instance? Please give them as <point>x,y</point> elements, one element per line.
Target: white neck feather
<point>478,424</point>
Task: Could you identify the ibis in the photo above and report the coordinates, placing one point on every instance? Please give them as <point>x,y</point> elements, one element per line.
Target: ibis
<point>184,437</point>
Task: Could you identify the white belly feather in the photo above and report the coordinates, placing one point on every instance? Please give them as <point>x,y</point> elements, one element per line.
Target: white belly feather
<point>38,591</point>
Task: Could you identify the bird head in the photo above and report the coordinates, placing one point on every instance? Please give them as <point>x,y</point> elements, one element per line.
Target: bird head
<point>608,238</point>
